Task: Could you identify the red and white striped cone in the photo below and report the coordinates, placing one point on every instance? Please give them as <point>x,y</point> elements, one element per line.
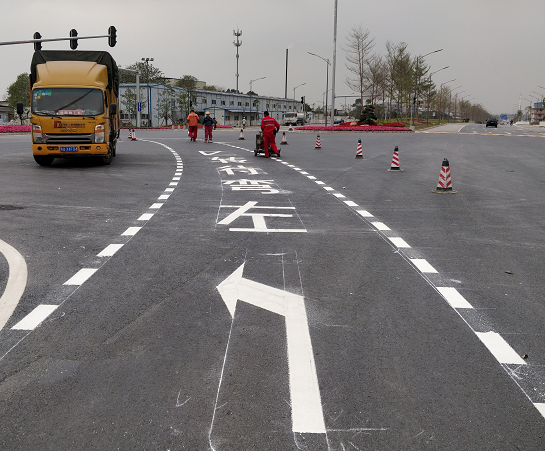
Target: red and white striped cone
<point>284,140</point>
<point>444,185</point>
<point>395,161</point>
<point>241,134</point>
<point>318,143</point>
<point>133,135</point>
<point>359,151</point>
<point>130,133</point>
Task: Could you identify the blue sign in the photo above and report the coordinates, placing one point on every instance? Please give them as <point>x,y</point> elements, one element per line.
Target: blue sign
<point>139,106</point>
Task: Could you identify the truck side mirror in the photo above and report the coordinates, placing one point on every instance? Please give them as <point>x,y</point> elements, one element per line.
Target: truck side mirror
<point>20,109</point>
<point>113,109</point>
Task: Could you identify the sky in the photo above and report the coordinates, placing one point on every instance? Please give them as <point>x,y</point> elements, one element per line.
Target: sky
<point>493,48</point>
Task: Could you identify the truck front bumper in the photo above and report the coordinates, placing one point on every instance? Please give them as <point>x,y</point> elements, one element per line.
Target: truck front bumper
<point>67,150</point>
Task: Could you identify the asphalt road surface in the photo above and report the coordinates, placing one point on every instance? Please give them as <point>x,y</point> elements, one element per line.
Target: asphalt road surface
<point>194,296</point>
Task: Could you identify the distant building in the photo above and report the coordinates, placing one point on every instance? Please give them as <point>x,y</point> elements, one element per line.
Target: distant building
<point>6,114</point>
<point>227,107</point>
<point>537,112</point>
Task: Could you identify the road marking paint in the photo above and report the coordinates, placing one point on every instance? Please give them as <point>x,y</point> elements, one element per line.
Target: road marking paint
<point>398,242</point>
<point>364,213</point>
<point>423,265</point>
<point>15,286</point>
<point>328,188</point>
<point>319,183</point>
<point>175,178</point>
<point>131,231</point>
<point>380,226</point>
<point>350,203</point>
<point>455,299</point>
<point>311,177</point>
<point>339,195</point>
<point>268,230</point>
<point>145,217</point>
<point>499,348</point>
<point>169,190</point>
<point>81,276</point>
<point>156,206</point>
<point>540,406</point>
<point>304,173</point>
<point>163,197</point>
<point>35,317</point>
<point>110,250</point>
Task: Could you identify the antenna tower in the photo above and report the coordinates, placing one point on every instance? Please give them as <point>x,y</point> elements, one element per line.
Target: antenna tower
<point>237,44</point>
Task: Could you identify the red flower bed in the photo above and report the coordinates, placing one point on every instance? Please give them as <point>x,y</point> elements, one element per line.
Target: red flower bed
<point>354,128</point>
<point>392,124</point>
<point>14,128</point>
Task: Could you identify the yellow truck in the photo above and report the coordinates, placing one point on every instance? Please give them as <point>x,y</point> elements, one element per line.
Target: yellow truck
<point>74,105</point>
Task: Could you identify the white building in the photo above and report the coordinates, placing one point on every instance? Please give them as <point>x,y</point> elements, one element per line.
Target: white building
<point>228,108</point>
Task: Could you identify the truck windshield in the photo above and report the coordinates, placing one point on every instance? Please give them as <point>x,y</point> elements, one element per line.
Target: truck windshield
<point>290,114</point>
<point>67,102</point>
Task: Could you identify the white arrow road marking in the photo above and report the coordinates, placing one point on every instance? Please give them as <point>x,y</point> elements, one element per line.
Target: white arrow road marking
<point>16,282</point>
<point>306,405</point>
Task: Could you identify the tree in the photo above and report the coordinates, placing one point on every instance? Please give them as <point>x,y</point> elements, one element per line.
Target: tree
<point>164,105</point>
<point>357,50</point>
<point>129,102</point>
<point>187,82</point>
<point>368,113</point>
<point>19,91</point>
<point>148,74</point>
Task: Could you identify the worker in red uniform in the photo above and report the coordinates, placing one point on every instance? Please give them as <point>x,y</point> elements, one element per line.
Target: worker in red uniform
<point>270,127</point>
<point>193,125</point>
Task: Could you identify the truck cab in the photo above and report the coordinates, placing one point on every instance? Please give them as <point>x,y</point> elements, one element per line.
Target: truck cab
<point>74,108</point>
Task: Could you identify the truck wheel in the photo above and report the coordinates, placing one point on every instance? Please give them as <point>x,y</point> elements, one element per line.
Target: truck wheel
<point>107,159</point>
<point>43,160</point>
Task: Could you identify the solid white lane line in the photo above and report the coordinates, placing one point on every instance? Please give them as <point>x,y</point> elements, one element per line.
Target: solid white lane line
<point>499,348</point>
<point>145,217</point>
<point>423,265</point>
<point>398,242</point>
<point>110,250</point>
<point>81,276</point>
<point>35,317</point>
<point>15,286</point>
<point>380,226</point>
<point>455,299</point>
<point>131,231</point>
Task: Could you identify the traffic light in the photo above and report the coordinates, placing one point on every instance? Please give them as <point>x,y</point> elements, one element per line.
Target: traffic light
<point>73,42</point>
<point>303,100</point>
<point>112,38</point>
<point>37,45</point>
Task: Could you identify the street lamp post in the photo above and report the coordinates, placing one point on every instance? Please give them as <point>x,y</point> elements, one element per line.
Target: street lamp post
<point>450,102</point>
<point>251,90</point>
<point>326,82</point>
<point>441,98</point>
<point>296,88</point>
<point>416,84</point>
<point>428,113</point>
<point>147,60</point>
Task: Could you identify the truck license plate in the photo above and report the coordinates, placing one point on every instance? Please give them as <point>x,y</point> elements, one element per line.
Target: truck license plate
<point>69,148</point>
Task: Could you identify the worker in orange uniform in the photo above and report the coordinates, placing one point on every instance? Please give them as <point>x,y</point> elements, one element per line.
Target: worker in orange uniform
<point>270,127</point>
<point>193,124</point>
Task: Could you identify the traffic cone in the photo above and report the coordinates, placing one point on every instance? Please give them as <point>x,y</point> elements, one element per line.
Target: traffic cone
<point>241,134</point>
<point>359,153</point>
<point>395,161</point>
<point>133,135</point>
<point>284,140</point>
<point>130,133</point>
<point>318,143</point>
<point>444,185</point>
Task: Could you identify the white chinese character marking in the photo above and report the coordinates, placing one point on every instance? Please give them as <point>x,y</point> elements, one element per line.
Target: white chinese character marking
<point>229,160</point>
<point>230,170</point>
<point>252,185</point>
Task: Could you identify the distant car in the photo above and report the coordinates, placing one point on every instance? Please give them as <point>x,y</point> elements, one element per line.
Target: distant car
<point>492,123</point>
<point>338,121</point>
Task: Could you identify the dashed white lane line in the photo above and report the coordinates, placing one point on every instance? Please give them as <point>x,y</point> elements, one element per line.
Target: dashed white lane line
<point>145,217</point>
<point>398,242</point>
<point>423,266</point>
<point>380,226</point>
<point>81,276</point>
<point>35,317</point>
<point>110,250</point>
<point>156,206</point>
<point>499,348</point>
<point>455,299</point>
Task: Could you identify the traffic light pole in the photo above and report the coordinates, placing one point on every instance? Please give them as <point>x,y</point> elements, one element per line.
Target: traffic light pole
<point>111,36</point>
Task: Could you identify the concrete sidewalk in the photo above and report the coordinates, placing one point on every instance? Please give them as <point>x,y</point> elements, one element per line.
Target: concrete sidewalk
<point>447,128</point>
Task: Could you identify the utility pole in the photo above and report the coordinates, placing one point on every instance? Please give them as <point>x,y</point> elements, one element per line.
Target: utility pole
<point>334,67</point>
<point>237,44</point>
<point>286,88</point>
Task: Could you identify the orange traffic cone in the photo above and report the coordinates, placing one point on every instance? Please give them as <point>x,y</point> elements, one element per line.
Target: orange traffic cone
<point>444,185</point>
<point>359,152</point>
<point>395,161</point>
<point>241,134</point>
<point>318,143</point>
<point>284,140</point>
